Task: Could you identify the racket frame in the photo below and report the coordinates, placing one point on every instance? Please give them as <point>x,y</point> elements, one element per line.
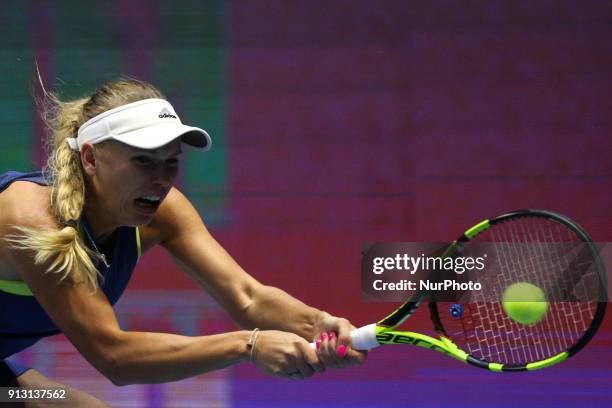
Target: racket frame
<point>385,333</point>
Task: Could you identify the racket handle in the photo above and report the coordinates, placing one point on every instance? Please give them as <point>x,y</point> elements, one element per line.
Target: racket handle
<point>363,338</point>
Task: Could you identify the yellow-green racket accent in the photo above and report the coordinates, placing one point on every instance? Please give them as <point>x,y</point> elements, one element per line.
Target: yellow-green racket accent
<point>443,345</point>
<point>446,346</point>
<point>548,362</point>
<point>481,226</point>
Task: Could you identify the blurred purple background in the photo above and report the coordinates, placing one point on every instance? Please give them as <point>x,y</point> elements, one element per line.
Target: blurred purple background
<point>343,122</point>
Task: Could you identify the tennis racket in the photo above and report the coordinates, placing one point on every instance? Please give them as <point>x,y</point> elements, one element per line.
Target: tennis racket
<point>535,246</point>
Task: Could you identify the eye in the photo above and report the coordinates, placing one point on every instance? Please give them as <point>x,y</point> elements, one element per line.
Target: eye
<point>143,160</point>
<point>173,161</point>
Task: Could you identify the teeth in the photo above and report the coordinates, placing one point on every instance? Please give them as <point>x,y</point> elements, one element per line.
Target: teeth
<point>151,199</point>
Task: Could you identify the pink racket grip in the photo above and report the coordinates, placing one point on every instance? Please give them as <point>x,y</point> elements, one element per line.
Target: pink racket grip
<point>363,338</point>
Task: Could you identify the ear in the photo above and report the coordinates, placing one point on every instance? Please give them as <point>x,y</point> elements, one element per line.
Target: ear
<point>88,159</point>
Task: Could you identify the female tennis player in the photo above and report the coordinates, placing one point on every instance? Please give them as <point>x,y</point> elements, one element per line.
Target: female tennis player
<point>70,238</point>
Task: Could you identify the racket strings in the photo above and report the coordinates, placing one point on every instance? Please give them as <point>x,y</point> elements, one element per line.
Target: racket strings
<point>543,253</point>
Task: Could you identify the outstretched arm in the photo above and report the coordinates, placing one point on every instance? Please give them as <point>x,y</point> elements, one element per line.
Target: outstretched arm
<point>250,303</point>
<point>125,357</point>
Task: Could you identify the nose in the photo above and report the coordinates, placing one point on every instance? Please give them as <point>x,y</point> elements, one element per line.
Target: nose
<point>164,175</point>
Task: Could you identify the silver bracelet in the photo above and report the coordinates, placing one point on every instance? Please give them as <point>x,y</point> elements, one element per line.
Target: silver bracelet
<point>251,343</point>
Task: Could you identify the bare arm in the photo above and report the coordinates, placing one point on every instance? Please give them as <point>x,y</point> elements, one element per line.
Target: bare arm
<point>131,357</point>
<point>89,322</point>
<point>250,303</point>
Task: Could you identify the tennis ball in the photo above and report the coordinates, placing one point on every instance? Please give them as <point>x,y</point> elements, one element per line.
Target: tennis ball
<point>524,303</point>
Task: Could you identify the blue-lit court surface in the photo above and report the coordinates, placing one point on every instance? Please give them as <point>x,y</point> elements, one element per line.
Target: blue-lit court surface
<point>392,376</point>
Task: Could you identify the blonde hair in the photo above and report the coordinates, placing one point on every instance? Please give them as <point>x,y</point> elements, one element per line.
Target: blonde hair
<point>64,248</point>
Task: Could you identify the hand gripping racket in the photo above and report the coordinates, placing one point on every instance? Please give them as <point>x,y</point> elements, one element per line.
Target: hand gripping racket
<point>535,246</point>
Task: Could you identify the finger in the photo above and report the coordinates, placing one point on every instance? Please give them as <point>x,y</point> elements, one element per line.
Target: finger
<point>341,352</point>
<point>323,345</point>
<point>322,360</point>
<point>329,351</point>
<point>290,368</point>
<point>332,340</point>
<point>335,349</point>
<point>316,365</point>
<point>355,356</point>
<point>312,359</point>
<point>303,368</point>
<point>344,331</point>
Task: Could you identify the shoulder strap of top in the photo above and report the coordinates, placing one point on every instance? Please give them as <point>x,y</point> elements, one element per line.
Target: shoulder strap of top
<point>15,287</point>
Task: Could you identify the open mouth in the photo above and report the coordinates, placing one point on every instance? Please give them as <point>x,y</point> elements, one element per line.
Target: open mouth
<point>149,202</point>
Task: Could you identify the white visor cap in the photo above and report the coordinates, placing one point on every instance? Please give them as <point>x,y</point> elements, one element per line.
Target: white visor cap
<point>145,124</point>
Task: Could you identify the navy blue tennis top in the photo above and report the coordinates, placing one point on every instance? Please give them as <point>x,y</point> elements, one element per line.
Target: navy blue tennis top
<point>22,320</point>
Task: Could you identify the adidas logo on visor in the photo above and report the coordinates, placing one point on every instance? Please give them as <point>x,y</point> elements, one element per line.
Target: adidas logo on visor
<point>165,113</point>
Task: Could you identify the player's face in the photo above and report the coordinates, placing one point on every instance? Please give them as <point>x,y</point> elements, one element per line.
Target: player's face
<point>131,183</point>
